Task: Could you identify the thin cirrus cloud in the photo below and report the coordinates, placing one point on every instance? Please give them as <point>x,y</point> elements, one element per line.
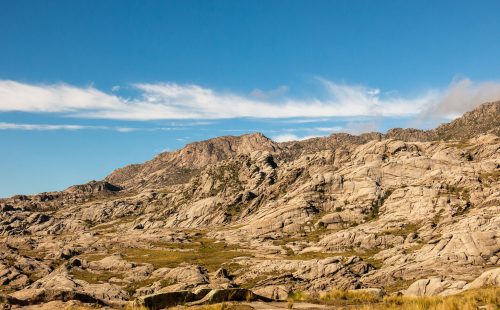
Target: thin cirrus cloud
<point>175,101</point>
<point>292,137</point>
<point>43,127</point>
<point>51,127</point>
<point>262,94</point>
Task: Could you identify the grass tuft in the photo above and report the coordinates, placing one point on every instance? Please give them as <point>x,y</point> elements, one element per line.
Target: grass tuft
<point>485,298</point>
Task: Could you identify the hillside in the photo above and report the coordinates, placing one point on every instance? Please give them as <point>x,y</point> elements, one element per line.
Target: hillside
<point>410,211</point>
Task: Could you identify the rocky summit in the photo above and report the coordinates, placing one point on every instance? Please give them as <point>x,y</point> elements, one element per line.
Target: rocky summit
<point>250,220</point>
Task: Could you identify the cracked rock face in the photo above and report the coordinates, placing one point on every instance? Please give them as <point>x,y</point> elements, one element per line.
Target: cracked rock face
<point>410,210</point>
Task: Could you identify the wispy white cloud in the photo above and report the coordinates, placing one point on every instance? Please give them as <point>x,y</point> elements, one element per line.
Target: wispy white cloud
<point>262,94</point>
<point>292,137</point>
<point>15,96</point>
<point>307,120</point>
<point>125,129</point>
<point>461,96</point>
<point>175,101</point>
<point>51,127</point>
<point>195,123</point>
<point>44,127</point>
<point>329,129</point>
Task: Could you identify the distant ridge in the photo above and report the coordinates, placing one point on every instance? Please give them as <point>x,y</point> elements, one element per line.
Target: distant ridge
<point>177,167</point>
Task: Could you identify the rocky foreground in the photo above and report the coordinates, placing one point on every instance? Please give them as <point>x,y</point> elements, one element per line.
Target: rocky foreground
<point>248,219</point>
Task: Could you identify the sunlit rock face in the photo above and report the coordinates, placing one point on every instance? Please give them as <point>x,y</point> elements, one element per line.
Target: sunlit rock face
<point>410,210</point>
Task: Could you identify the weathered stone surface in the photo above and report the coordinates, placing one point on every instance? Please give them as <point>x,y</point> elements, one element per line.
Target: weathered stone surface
<point>164,300</point>
<point>428,287</point>
<point>275,292</point>
<point>488,278</point>
<point>231,294</point>
<point>439,286</point>
<point>339,212</point>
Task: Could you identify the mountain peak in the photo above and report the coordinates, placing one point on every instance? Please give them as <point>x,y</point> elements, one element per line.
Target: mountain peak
<point>482,120</point>
<point>179,166</point>
<point>165,167</point>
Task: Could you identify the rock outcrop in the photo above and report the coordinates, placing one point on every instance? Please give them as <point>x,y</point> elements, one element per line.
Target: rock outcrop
<point>260,219</point>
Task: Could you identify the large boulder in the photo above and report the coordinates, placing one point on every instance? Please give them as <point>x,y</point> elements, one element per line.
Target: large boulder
<point>164,300</point>
<point>488,278</point>
<point>439,286</point>
<point>231,294</point>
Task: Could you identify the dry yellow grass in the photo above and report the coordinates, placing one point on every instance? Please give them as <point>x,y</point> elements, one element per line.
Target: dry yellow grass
<point>351,296</point>
<point>220,306</point>
<point>486,298</point>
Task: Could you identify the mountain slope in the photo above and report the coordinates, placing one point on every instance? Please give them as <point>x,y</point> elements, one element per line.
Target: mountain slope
<point>344,211</point>
<point>178,167</point>
<point>174,167</point>
<point>482,120</point>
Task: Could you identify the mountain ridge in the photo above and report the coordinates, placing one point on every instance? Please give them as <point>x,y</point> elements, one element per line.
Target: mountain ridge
<point>408,212</point>
<point>483,119</point>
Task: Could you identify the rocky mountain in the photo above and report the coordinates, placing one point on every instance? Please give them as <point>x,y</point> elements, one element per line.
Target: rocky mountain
<point>410,211</point>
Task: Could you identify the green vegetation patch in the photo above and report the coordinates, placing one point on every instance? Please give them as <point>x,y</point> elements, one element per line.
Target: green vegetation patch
<point>403,232</point>
<point>132,287</point>
<point>111,226</point>
<point>458,191</point>
<point>311,236</point>
<point>262,276</point>
<point>205,252</point>
<point>366,256</point>
<point>377,204</point>
<point>94,277</point>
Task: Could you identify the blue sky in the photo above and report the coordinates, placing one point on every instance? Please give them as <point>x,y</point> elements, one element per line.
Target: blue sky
<point>89,86</point>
